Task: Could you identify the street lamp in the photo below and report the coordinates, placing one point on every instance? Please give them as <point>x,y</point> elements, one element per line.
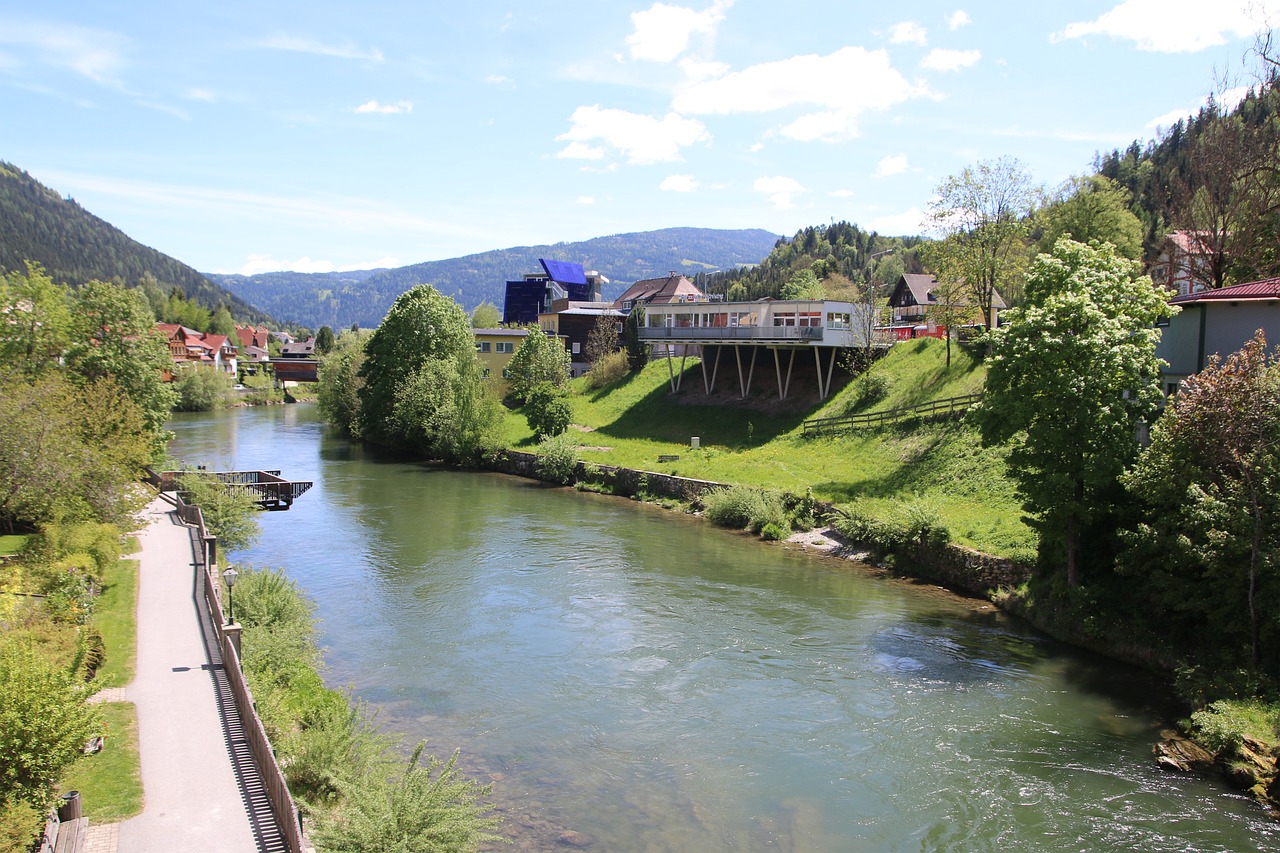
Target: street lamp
<point>230,577</point>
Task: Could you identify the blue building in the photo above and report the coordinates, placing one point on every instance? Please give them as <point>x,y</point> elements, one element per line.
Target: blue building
<point>535,293</point>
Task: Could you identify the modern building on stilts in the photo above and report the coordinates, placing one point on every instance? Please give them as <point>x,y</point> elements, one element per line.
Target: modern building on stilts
<point>734,334</point>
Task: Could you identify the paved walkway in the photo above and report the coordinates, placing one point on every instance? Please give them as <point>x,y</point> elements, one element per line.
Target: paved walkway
<point>193,774</point>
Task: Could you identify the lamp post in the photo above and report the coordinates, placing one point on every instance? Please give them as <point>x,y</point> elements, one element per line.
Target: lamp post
<point>230,577</point>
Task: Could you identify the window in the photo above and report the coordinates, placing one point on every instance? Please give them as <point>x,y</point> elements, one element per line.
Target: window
<point>577,348</point>
<point>504,346</point>
<point>486,373</point>
<point>482,346</point>
<point>837,320</point>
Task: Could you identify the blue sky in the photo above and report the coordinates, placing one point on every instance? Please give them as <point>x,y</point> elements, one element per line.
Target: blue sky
<point>247,137</point>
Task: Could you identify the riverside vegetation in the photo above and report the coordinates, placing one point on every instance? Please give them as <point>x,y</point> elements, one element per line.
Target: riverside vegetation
<point>1067,494</point>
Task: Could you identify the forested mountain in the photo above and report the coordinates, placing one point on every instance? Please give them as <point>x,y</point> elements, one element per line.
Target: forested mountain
<point>75,247</point>
<point>834,253</point>
<point>340,299</point>
<point>1216,173</point>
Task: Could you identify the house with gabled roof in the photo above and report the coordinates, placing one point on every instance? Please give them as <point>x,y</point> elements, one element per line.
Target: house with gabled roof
<point>671,289</point>
<point>915,296</point>
<point>1216,322</point>
<point>189,346</point>
<point>1182,267</point>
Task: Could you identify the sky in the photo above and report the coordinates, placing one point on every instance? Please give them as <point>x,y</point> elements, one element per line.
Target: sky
<point>319,136</point>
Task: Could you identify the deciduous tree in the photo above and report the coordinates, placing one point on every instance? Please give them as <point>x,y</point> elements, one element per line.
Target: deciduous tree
<point>539,358</point>
<point>421,325</point>
<point>1088,209</point>
<point>1069,380</point>
<point>1210,482</point>
<point>982,213</point>
<point>36,325</point>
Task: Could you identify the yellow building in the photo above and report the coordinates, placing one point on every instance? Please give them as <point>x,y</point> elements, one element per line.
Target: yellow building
<point>495,348</point>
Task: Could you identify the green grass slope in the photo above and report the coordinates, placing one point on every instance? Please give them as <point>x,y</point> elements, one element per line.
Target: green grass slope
<point>941,464</point>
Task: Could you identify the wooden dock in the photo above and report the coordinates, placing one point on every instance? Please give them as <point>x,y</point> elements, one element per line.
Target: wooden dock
<point>270,490</point>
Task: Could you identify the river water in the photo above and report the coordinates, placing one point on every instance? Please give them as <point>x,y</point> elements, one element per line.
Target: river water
<point>637,680</point>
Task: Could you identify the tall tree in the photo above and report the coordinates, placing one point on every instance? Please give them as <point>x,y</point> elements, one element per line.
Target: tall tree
<point>422,324</point>
<point>539,358</point>
<point>486,316</point>
<point>1210,482</point>
<point>36,328</point>
<point>324,341</point>
<point>982,213</point>
<point>637,350</point>
<point>1088,209</point>
<point>338,389</point>
<point>114,335</point>
<point>603,338</point>
<point>1069,380</point>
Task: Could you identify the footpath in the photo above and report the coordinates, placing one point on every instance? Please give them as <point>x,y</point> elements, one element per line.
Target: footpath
<point>191,749</point>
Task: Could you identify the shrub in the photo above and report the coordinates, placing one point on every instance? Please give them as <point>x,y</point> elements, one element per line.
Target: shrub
<point>44,723</point>
<point>424,808</point>
<point>229,514</point>
<point>201,388</point>
<point>773,532</point>
<point>1223,726</point>
<point>734,507</point>
<point>558,459</point>
<point>547,410</point>
<point>910,523</point>
<point>608,369</point>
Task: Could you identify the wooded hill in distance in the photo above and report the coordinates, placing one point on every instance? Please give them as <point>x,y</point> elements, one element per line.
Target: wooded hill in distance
<point>74,247</point>
<point>340,299</point>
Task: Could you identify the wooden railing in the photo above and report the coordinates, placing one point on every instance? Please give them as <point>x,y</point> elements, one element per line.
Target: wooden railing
<point>282,805</point>
<point>938,408</point>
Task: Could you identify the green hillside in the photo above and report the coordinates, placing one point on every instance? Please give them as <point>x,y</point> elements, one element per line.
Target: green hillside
<point>74,247</point>
<point>638,419</point>
<point>340,299</point>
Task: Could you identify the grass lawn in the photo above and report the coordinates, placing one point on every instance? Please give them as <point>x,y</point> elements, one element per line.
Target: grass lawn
<point>115,616</point>
<point>11,544</point>
<point>110,781</point>
<point>943,463</point>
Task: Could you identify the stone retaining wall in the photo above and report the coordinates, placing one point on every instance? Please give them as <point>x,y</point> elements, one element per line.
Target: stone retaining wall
<point>627,482</point>
<point>967,570</point>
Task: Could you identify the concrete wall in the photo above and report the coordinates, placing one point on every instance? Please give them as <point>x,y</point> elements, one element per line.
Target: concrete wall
<point>1228,326</point>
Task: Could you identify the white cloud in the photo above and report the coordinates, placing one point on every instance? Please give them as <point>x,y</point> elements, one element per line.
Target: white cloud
<point>663,32</point>
<point>940,59</point>
<point>641,139</point>
<point>679,184</point>
<point>95,54</point>
<point>957,19</point>
<point>1227,100</point>
<point>498,80</point>
<point>386,109</point>
<point>586,199</point>
<point>908,32</point>
<point>297,44</point>
<point>195,93</point>
<point>894,165</point>
<point>790,82</point>
<point>780,190</point>
<point>907,223</point>
<point>581,151</point>
<point>1169,26</point>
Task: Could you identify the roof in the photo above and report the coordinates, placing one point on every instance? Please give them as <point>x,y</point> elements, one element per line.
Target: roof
<point>920,287</point>
<point>510,333</point>
<point>1266,289</point>
<point>565,272</point>
<point>1191,242</point>
<point>670,288</point>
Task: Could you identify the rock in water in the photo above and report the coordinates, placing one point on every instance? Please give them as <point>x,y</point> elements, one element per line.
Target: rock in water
<point>1175,753</point>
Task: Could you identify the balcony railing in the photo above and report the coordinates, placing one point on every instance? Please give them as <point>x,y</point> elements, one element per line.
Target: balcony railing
<point>731,333</point>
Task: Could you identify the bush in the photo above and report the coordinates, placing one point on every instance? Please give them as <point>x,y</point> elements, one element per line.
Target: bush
<point>1223,726</point>
<point>906,524</point>
<point>229,514</point>
<point>547,410</point>
<point>742,507</point>
<point>772,532</point>
<point>558,459</point>
<point>201,389</point>
<point>608,369</point>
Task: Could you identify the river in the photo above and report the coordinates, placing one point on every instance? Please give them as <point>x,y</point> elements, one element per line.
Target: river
<point>644,682</point>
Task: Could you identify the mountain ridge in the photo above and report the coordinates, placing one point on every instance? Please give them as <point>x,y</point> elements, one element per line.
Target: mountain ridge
<point>339,299</point>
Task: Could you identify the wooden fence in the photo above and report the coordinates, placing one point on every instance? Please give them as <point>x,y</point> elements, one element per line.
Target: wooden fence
<point>938,408</point>
<point>282,805</point>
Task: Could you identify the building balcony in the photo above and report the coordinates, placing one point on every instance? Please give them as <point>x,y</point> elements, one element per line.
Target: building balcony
<point>731,333</point>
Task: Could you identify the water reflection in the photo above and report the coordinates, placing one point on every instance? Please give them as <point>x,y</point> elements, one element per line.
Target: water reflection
<point>657,685</point>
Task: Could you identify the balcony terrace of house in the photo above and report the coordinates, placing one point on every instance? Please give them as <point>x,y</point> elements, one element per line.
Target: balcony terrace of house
<point>768,323</point>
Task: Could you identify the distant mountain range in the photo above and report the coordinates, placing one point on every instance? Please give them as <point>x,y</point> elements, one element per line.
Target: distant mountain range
<point>362,297</point>
<point>74,247</point>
